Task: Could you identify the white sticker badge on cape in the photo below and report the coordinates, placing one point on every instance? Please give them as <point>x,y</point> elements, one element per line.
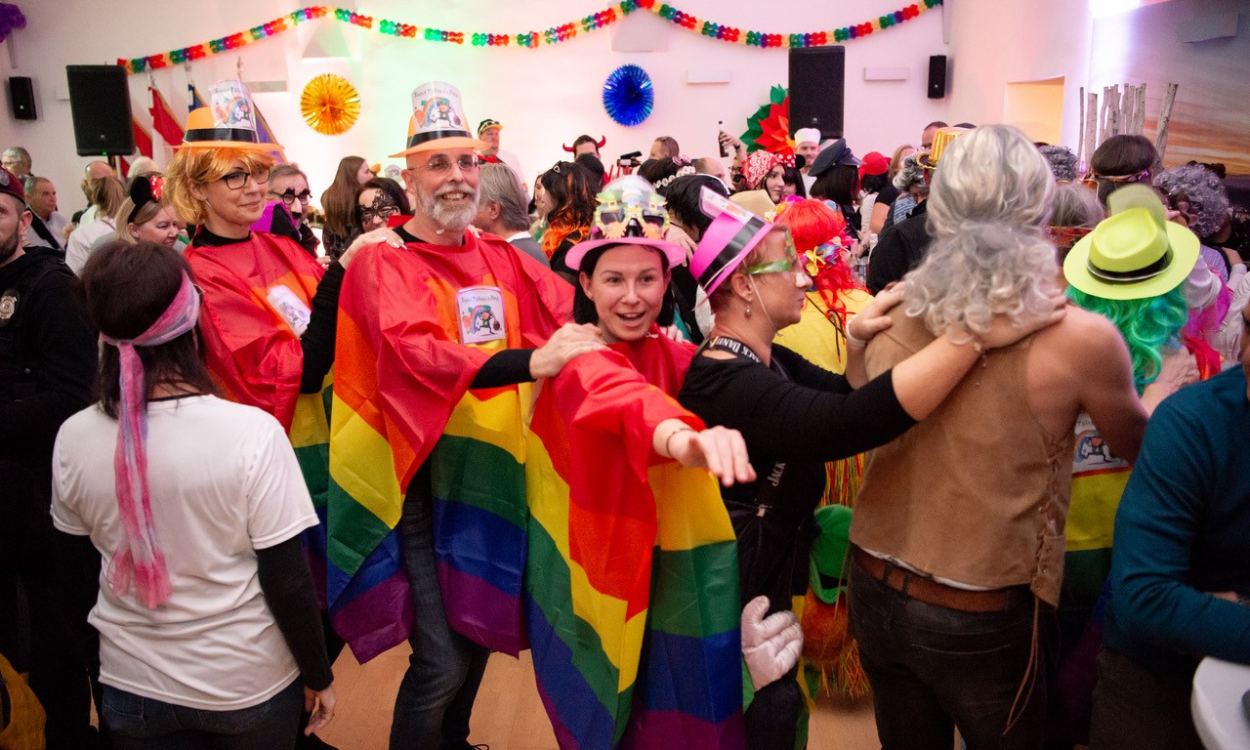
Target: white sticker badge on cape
<point>481,314</point>
<point>290,307</point>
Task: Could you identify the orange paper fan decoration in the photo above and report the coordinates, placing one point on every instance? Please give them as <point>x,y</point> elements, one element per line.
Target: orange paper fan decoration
<point>330,104</point>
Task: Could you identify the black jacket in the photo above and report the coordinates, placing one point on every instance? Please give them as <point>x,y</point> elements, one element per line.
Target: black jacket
<point>47,357</point>
<point>900,249</point>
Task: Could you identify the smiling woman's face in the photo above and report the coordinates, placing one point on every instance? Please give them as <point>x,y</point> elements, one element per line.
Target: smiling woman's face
<point>232,211</point>
<point>627,288</point>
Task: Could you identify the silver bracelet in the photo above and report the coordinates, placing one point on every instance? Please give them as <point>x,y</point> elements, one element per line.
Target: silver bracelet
<point>669,439</point>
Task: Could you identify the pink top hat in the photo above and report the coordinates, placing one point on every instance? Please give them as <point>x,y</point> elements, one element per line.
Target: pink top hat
<point>734,232</point>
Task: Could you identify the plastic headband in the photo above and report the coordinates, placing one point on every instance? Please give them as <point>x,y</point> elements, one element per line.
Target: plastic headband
<point>145,190</point>
<point>682,172</point>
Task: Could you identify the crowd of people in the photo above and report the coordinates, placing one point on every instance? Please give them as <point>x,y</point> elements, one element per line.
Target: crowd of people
<point>459,409</point>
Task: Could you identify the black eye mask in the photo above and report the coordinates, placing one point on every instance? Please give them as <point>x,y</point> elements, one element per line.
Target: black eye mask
<point>381,201</point>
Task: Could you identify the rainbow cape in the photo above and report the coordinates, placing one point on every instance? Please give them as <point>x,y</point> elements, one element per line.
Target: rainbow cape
<point>253,350</point>
<point>257,295</point>
<point>631,590</point>
<point>401,379</point>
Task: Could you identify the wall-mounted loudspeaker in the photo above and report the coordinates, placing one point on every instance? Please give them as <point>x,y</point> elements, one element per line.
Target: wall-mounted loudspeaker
<point>817,77</point>
<point>99,101</point>
<point>937,76</point>
<point>22,98</point>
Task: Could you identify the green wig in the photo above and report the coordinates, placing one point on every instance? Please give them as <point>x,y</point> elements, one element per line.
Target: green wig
<point>1147,325</point>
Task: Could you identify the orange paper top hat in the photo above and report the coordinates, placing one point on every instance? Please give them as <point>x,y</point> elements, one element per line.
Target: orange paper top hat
<point>438,120</point>
<point>229,121</point>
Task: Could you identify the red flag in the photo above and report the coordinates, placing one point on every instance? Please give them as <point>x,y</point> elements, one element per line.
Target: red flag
<point>123,166</point>
<point>143,141</point>
<point>163,120</point>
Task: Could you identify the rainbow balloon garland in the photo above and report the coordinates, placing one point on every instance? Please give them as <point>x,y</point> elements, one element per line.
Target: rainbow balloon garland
<point>532,39</point>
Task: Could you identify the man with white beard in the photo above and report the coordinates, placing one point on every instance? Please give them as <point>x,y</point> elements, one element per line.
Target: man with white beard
<point>418,327</point>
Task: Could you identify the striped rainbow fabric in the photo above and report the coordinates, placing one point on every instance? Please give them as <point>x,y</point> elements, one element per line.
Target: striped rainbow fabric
<point>631,591</point>
<point>480,516</point>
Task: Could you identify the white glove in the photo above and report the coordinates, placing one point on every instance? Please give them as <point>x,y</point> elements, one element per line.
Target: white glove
<point>770,645</point>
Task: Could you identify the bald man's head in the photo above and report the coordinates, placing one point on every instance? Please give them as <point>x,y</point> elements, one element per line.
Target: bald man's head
<point>98,169</point>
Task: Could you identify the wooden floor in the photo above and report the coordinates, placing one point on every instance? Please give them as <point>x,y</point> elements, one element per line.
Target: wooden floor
<point>509,715</point>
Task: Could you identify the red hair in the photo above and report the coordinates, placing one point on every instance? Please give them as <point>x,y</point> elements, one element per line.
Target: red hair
<point>813,223</point>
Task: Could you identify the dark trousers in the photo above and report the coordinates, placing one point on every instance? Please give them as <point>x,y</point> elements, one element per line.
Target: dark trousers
<point>36,632</point>
<point>445,670</point>
<point>1135,709</point>
<point>933,669</point>
<point>137,723</point>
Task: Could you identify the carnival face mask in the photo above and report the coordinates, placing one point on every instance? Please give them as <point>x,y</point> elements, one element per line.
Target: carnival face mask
<point>381,208</point>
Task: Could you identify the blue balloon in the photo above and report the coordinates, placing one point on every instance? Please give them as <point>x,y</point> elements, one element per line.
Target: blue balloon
<point>628,95</point>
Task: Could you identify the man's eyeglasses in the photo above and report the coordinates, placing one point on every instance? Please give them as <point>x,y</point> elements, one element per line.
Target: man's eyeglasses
<point>369,215</point>
<point>290,196</point>
<point>236,180</point>
<point>442,165</point>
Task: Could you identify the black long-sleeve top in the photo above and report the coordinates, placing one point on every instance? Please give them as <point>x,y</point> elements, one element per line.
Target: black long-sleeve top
<point>793,413</point>
<point>318,340</point>
<point>794,416</point>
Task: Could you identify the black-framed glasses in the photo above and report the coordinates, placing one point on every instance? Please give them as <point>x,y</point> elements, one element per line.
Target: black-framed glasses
<point>368,215</point>
<point>442,165</point>
<point>290,196</point>
<point>237,179</point>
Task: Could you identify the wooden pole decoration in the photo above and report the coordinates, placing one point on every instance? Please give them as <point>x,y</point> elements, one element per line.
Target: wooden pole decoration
<point>1165,116</point>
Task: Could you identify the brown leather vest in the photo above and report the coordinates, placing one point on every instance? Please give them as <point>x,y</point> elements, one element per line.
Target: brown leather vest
<point>977,492</point>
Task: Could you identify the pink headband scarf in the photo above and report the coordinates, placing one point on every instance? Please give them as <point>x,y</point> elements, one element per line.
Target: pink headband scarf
<point>139,558</point>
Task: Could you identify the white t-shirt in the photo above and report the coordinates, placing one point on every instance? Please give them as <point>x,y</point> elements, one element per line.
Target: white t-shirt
<point>224,482</point>
<point>86,239</point>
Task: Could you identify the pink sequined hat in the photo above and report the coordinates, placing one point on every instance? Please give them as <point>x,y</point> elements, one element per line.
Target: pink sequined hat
<point>734,232</point>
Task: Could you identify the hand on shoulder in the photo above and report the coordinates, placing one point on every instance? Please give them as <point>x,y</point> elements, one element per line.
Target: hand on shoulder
<point>385,235</point>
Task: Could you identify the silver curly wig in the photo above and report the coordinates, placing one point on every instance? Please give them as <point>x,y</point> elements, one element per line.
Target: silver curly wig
<point>988,210</point>
<point>1207,196</point>
<point>910,174</point>
<point>1062,162</point>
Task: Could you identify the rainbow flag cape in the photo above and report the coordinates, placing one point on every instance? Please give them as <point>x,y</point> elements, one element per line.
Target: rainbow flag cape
<point>631,590</point>
<point>415,326</point>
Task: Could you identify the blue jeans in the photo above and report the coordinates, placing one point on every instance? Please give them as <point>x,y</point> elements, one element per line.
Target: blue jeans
<point>933,669</point>
<point>445,670</point>
<point>137,723</point>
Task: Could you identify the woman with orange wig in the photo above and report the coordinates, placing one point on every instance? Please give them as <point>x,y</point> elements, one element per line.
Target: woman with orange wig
<point>821,239</point>
<point>260,319</point>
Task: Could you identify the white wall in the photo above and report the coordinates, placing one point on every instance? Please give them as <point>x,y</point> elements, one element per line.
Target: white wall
<point>994,43</point>
<point>544,96</point>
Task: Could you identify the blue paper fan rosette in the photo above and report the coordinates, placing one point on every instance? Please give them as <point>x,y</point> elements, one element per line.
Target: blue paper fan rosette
<point>628,95</point>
